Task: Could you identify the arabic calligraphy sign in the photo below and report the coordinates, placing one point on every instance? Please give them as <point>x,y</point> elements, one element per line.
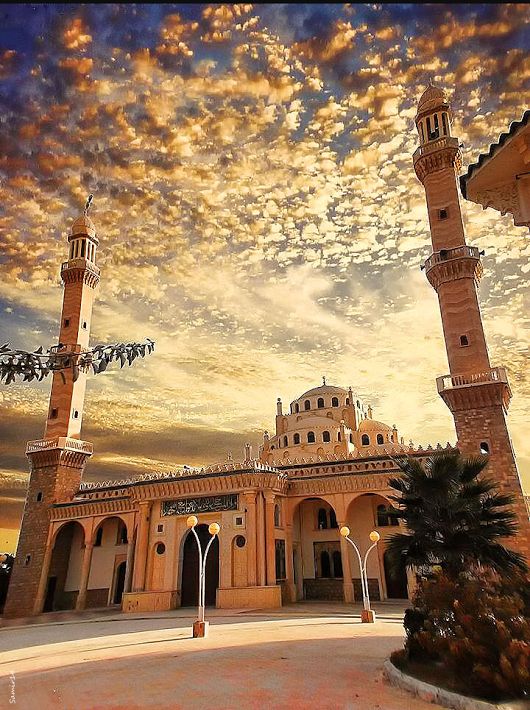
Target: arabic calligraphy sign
<point>204,504</point>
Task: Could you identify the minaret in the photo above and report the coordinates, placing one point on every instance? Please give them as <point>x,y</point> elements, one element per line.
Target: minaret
<point>477,394</point>
<point>57,462</point>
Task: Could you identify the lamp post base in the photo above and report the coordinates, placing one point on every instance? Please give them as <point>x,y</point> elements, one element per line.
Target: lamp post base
<point>367,616</point>
<point>200,629</point>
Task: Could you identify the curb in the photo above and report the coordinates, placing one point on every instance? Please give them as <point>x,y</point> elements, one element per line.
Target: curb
<point>445,698</point>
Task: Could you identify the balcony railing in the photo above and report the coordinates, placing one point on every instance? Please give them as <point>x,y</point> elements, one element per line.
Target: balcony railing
<point>447,382</point>
<point>60,442</point>
<point>80,264</point>
<point>447,254</point>
<point>433,146</point>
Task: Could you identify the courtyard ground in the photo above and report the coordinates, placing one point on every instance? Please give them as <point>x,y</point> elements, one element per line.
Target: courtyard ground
<point>309,655</point>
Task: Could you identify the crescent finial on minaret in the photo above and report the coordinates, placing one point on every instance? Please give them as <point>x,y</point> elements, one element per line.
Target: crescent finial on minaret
<point>88,203</point>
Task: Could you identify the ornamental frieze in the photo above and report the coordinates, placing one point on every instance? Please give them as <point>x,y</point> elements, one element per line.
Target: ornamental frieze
<point>204,504</point>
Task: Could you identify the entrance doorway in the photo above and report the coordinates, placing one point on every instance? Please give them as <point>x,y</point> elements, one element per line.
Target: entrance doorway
<point>120,583</point>
<point>396,581</point>
<point>190,568</point>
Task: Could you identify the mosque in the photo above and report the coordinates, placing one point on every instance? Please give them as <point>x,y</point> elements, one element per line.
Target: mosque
<point>328,463</point>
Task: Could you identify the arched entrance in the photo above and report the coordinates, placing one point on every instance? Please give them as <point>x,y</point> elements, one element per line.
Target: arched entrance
<point>64,574</point>
<point>189,587</point>
<point>396,581</point>
<point>119,584</point>
<point>317,554</point>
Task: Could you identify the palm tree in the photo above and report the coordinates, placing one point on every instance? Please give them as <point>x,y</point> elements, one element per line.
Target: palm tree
<point>454,517</point>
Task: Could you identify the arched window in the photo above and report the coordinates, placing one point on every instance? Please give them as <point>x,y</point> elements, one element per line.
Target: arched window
<point>338,436</point>
<point>307,405</point>
<point>351,438</point>
<point>311,437</point>
<point>296,438</point>
<point>320,402</point>
<point>380,439</point>
<point>322,519</point>
<point>332,519</point>
<point>365,440</point>
<point>445,124</point>
<point>326,436</point>
<point>347,400</point>
<point>325,566</point>
<point>337,564</point>
<point>285,441</point>
<point>422,135</point>
<point>296,408</point>
<point>276,516</point>
<point>334,401</point>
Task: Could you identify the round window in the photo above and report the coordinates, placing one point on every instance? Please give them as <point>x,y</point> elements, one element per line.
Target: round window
<point>160,548</point>
<point>240,541</point>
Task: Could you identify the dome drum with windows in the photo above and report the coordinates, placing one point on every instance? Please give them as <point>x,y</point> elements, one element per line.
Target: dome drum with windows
<point>324,421</point>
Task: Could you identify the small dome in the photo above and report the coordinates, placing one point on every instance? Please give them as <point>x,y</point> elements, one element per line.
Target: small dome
<point>373,425</point>
<point>431,97</point>
<point>83,225</point>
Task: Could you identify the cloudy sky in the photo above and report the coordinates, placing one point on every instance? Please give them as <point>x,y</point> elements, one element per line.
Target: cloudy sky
<point>257,210</point>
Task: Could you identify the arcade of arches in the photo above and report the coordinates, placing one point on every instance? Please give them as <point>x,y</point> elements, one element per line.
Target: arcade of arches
<point>274,550</point>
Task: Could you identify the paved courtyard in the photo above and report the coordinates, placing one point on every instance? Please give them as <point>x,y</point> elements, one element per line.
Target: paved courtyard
<point>311,655</point>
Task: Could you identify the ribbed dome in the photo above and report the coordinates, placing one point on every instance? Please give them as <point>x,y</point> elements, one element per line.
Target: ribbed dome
<point>83,225</point>
<point>432,96</point>
<point>373,425</point>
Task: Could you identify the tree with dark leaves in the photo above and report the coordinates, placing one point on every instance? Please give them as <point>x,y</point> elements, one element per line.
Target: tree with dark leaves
<point>455,517</point>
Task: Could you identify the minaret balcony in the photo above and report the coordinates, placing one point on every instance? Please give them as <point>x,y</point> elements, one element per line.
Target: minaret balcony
<point>60,442</point>
<point>80,270</point>
<point>476,389</point>
<point>448,254</point>
<point>433,146</point>
<point>449,264</point>
<point>437,155</point>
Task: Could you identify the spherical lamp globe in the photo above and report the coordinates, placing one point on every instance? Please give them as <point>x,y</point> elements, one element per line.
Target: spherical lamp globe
<point>214,528</point>
<point>375,536</point>
<point>345,531</point>
<point>192,521</point>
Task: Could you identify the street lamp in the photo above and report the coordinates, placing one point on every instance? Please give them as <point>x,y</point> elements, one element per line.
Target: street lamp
<point>367,615</point>
<point>200,627</point>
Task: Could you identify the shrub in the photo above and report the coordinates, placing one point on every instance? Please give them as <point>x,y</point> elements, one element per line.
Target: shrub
<point>478,628</point>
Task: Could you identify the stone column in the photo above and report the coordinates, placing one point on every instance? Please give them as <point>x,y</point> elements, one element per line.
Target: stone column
<point>41,592</point>
<point>85,572</point>
<point>260,542</point>
<point>141,547</point>
<point>289,564</point>
<point>129,566</point>
<point>270,543</point>
<point>250,506</point>
<point>346,569</point>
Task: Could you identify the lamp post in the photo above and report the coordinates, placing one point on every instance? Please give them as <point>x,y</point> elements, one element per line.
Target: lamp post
<point>367,615</point>
<point>200,627</point>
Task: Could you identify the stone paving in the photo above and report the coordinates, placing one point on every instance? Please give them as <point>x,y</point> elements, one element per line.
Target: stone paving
<point>301,656</point>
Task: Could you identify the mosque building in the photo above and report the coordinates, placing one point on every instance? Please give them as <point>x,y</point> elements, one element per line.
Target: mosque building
<point>327,464</point>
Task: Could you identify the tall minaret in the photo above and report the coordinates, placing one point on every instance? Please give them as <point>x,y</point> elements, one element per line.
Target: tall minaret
<point>477,394</point>
<point>57,461</point>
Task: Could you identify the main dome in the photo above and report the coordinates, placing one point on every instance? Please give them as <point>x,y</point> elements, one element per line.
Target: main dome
<point>323,389</point>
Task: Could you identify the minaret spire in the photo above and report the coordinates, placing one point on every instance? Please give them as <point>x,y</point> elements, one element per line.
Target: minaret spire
<point>57,462</point>
<point>477,394</point>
